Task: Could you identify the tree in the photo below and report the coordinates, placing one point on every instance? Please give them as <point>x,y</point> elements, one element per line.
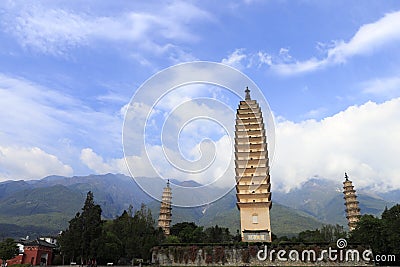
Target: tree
<point>370,231</point>
<point>172,239</point>
<point>331,233</point>
<point>216,234</point>
<point>148,235</point>
<point>70,239</point>
<point>83,233</point>
<point>382,235</point>
<point>8,249</point>
<point>136,232</point>
<point>188,232</point>
<point>91,227</point>
<point>110,247</point>
<point>391,224</point>
<point>309,236</point>
<point>178,227</point>
<point>327,233</point>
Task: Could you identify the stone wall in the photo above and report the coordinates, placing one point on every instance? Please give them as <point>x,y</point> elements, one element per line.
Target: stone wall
<point>231,255</point>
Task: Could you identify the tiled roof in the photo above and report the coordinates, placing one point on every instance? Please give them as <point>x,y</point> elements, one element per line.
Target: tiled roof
<point>37,242</point>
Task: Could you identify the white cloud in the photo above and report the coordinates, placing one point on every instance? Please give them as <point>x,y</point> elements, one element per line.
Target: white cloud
<point>249,2</point>
<point>187,129</point>
<point>32,115</point>
<point>235,59</point>
<point>387,86</point>
<point>27,112</point>
<point>315,113</point>
<point>264,58</point>
<point>241,60</point>
<point>97,164</point>
<point>56,30</point>
<point>362,140</point>
<point>369,38</point>
<point>298,67</point>
<point>94,161</point>
<point>213,166</point>
<point>29,163</point>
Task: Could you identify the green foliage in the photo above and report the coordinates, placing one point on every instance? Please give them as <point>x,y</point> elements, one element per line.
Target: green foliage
<point>331,233</point>
<point>91,225</point>
<point>382,235</point>
<point>217,234</point>
<point>84,231</point>
<point>8,249</point>
<point>391,224</point>
<point>328,233</point>
<point>136,233</point>
<point>172,239</point>
<point>71,238</point>
<point>189,232</point>
<point>110,247</point>
<point>128,236</point>
<point>370,231</point>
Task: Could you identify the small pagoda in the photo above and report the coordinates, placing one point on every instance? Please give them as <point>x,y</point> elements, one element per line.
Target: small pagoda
<point>164,220</point>
<point>352,210</point>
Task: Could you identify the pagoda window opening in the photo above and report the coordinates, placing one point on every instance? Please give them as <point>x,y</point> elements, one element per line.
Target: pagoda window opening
<point>255,218</point>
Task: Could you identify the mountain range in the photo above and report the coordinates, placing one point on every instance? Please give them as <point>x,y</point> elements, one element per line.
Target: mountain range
<point>44,207</point>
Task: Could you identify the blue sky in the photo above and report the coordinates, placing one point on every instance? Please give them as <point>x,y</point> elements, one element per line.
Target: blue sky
<point>329,70</point>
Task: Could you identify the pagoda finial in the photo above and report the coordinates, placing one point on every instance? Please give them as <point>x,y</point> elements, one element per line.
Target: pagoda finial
<point>247,93</point>
<point>168,183</point>
<point>345,176</point>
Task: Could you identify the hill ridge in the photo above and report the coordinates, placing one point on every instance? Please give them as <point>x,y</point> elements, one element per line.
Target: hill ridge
<point>309,206</point>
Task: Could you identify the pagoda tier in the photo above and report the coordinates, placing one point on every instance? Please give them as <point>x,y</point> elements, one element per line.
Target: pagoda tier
<point>252,172</point>
<point>351,203</point>
<point>164,219</point>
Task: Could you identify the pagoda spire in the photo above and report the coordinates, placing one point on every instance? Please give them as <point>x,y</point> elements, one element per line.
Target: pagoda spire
<point>247,91</point>
<point>351,203</point>
<point>164,219</point>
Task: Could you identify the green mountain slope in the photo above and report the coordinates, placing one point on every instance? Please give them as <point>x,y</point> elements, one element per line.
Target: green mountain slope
<point>45,206</point>
<point>323,200</point>
<point>46,210</point>
<point>224,213</point>
<point>56,198</point>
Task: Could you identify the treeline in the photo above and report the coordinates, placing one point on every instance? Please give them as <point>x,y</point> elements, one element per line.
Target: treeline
<point>327,234</point>
<point>381,234</point>
<point>189,232</point>
<point>88,239</point>
<point>133,234</point>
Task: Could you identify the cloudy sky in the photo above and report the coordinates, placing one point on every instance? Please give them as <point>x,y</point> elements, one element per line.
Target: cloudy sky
<point>328,69</point>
